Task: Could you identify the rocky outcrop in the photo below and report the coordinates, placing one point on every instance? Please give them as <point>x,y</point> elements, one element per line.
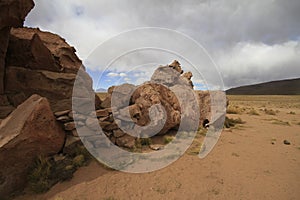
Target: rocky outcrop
<point>35,62</point>
<point>12,14</point>
<point>41,63</point>
<point>29,131</point>
<point>130,112</point>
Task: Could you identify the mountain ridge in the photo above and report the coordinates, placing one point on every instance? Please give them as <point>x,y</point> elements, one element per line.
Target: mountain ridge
<point>278,87</point>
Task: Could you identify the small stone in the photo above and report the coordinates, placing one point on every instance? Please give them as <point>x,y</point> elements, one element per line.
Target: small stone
<point>69,126</point>
<point>61,113</point>
<point>102,119</point>
<point>111,126</point>
<point>79,117</point>
<point>92,123</point>
<point>103,124</point>
<point>126,141</point>
<point>118,133</point>
<point>70,114</point>
<point>286,142</point>
<point>80,123</point>
<point>63,119</point>
<point>156,147</point>
<point>102,113</point>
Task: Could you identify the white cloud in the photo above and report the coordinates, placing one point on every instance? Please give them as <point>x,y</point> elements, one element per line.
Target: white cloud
<point>251,40</point>
<point>248,63</point>
<point>113,74</point>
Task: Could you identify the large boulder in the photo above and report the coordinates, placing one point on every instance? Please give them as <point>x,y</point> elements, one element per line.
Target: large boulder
<point>29,131</point>
<point>42,63</point>
<point>165,102</point>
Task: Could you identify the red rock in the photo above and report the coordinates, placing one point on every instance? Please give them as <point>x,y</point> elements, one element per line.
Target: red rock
<point>29,131</point>
<point>12,14</point>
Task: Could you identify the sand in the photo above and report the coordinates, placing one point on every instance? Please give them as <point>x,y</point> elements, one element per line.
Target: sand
<point>243,165</point>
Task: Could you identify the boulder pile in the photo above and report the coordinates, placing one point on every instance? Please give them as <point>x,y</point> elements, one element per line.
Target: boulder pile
<point>130,112</point>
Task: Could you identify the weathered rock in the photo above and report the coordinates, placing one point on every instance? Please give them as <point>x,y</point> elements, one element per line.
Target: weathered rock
<point>150,94</point>
<point>92,123</point>
<point>187,76</point>
<point>63,54</point>
<point>69,126</point>
<point>204,105</point>
<point>43,63</point>
<point>106,103</point>
<point>118,133</point>
<point>12,14</point>
<point>4,38</point>
<point>176,66</point>
<point>61,113</point>
<point>286,142</point>
<point>29,131</point>
<point>63,118</point>
<point>102,113</point>
<point>126,141</point>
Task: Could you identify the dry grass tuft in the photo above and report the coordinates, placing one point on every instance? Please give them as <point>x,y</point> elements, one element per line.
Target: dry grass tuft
<point>270,112</point>
<point>253,112</point>
<point>230,122</point>
<point>234,110</point>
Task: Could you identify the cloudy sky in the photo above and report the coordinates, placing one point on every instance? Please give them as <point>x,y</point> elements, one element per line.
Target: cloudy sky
<point>247,41</point>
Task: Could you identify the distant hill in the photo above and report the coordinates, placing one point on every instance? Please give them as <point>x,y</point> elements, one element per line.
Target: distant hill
<point>282,87</point>
<point>101,90</point>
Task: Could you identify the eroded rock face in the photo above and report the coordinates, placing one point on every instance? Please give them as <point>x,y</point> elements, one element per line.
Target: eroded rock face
<point>43,63</point>
<point>35,62</point>
<point>12,14</point>
<point>29,131</point>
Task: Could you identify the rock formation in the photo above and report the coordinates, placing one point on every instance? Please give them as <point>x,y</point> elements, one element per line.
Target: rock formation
<point>38,71</point>
<point>29,131</point>
<point>12,14</point>
<point>129,112</point>
<point>34,62</point>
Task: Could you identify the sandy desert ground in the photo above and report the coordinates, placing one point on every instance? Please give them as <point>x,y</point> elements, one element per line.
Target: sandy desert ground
<point>250,161</point>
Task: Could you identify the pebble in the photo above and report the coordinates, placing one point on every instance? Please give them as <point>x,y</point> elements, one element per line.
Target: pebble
<point>286,142</point>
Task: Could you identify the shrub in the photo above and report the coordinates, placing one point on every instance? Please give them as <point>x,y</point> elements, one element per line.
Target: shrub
<point>270,112</point>
<point>229,122</point>
<point>253,112</point>
<point>233,110</point>
<point>168,139</point>
<point>45,172</point>
<point>279,122</point>
<point>145,141</point>
<point>38,178</point>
